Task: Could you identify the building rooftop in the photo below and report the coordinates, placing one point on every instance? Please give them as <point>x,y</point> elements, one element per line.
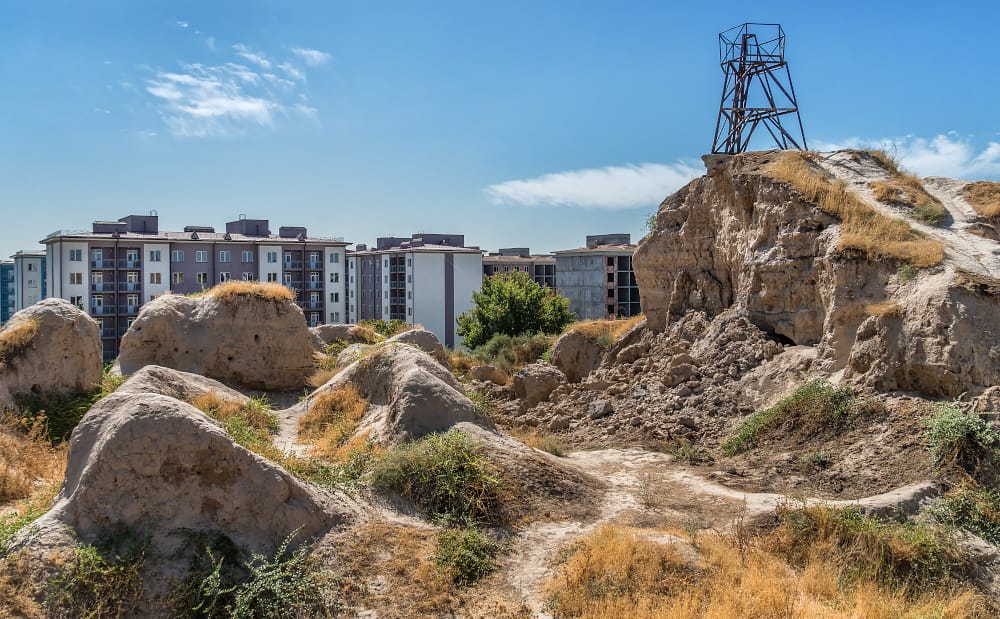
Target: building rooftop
<point>514,259</point>
<point>196,236</point>
<point>599,249</point>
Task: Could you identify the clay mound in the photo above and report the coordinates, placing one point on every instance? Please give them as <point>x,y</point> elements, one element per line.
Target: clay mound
<point>544,484</point>
<point>175,384</point>
<point>256,338</point>
<point>352,334</point>
<point>408,392</point>
<point>50,347</point>
<point>425,341</point>
<point>577,355</point>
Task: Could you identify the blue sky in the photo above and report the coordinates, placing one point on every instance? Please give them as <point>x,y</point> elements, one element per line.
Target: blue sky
<point>515,123</point>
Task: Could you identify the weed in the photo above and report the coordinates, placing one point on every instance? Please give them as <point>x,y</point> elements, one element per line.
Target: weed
<point>972,508</point>
<point>26,513</point>
<point>905,189</point>
<point>484,402</point>
<point>323,374</point>
<point>332,418</point>
<point>817,459</point>
<point>61,412</point>
<point>465,554</point>
<point>448,476</point>
<point>387,328</point>
<point>542,441</point>
<point>98,582</point>
<point>461,362</point>
<point>957,437</point>
<point>812,406</point>
<point>27,456</point>
<point>336,347</point>
<point>509,354</point>
<point>235,291</point>
<point>15,338</point>
<point>862,228</point>
<point>605,332</point>
<point>906,273</point>
<point>255,412</point>
<point>684,451</point>
<point>984,197</point>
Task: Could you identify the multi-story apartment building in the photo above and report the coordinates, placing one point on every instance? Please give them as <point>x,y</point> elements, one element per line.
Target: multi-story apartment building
<point>117,266</point>
<point>541,268</point>
<point>598,279</point>
<point>30,278</point>
<point>427,279</point>
<point>6,291</point>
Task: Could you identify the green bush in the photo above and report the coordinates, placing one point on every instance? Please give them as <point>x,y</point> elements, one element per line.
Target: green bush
<point>465,554</point>
<point>447,475</point>
<point>285,584</point>
<point>974,509</point>
<point>957,437</point>
<point>386,328</point>
<point>814,405</point>
<point>97,582</point>
<point>508,354</point>
<point>512,304</point>
<point>336,347</point>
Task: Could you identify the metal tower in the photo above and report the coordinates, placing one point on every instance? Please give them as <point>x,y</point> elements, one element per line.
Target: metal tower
<point>757,90</point>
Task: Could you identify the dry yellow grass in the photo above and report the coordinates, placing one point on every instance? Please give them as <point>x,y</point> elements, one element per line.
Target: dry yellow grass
<point>615,573</point>
<point>233,291</point>
<point>252,412</point>
<point>27,460</point>
<point>318,378</point>
<point>862,228</point>
<point>542,441</point>
<point>367,334</point>
<point>17,586</point>
<point>984,197</point>
<point>461,362</point>
<point>14,338</point>
<point>605,332</point>
<point>332,418</point>
<point>884,309</point>
<point>905,189</point>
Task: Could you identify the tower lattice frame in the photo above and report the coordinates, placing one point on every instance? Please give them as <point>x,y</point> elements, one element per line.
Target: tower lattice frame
<point>757,90</point>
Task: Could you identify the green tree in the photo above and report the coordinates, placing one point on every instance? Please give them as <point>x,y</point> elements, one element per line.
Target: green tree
<point>513,304</point>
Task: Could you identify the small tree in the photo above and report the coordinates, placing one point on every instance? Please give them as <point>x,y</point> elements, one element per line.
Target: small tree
<point>513,304</point>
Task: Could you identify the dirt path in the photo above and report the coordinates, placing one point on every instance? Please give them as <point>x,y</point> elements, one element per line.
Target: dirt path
<point>648,489</point>
<point>963,250</point>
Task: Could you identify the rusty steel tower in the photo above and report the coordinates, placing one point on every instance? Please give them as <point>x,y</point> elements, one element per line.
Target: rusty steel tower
<point>757,90</point>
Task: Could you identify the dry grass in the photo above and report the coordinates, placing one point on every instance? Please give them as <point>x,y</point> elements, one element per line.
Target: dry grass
<point>367,334</point>
<point>234,291</point>
<point>884,309</point>
<point>17,586</point>
<point>320,377</point>
<point>905,189</point>
<point>28,459</point>
<point>863,228</point>
<point>605,332</point>
<point>984,197</point>
<point>542,441</point>
<point>254,413</point>
<point>16,337</point>
<point>888,162</point>
<point>615,573</point>
<point>331,420</point>
<point>461,362</point>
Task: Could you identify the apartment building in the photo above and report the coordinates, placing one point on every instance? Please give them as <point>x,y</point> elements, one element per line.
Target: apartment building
<point>598,279</point>
<point>426,279</point>
<point>541,267</point>
<point>30,278</point>
<point>117,266</point>
<point>6,291</point>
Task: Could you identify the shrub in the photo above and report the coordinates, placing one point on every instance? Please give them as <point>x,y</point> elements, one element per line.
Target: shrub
<point>385,328</point>
<point>972,508</point>
<point>484,403</point>
<point>605,332</point>
<point>332,418</point>
<point>512,304</point>
<point>906,273</point>
<point>336,347</point>
<point>544,442</point>
<point>862,227</point>
<point>255,412</point>
<point>984,197</point>
<point>508,354</point>
<point>97,582</point>
<point>465,554</point>
<point>447,475</point>
<point>814,405</point>
<point>956,437</point>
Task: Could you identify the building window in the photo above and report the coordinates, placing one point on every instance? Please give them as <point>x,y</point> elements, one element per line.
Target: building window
<point>154,255</point>
<point>352,279</point>
<point>201,278</point>
<point>386,279</point>
<point>611,278</point>
<point>247,257</point>
<point>352,307</point>
<point>154,278</point>
<point>352,265</point>
<point>32,283</point>
<point>225,276</point>
<point>76,255</point>
<point>335,258</point>
<point>272,277</point>
<point>77,301</point>
<point>385,294</point>
<point>334,277</point>
<point>611,293</point>
<point>31,266</point>
<point>409,279</point>
<point>76,278</point>
<point>132,277</point>
<point>272,257</point>
<point>409,262</point>
<point>409,311</point>
<point>201,256</point>
<point>409,294</point>
<point>225,256</point>
<point>247,276</point>
<point>132,300</point>
<point>334,316</point>
<point>177,256</point>
<point>177,278</point>
<point>352,294</point>
<point>335,297</point>
<point>611,261</point>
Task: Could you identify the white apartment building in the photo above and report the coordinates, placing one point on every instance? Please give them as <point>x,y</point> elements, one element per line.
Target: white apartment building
<point>29,278</point>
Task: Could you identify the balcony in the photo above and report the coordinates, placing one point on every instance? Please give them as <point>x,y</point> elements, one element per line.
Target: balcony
<point>313,323</point>
<point>102,311</point>
<point>314,266</point>
<point>102,287</point>
<point>313,305</point>
<point>108,333</point>
<point>130,264</point>
<point>129,309</point>
<point>314,285</point>
<point>129,286</point>
<point>293,265</point>
<point>102,264</point>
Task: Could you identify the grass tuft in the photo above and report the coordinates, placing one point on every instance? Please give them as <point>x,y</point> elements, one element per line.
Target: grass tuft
<point>332,418</point>
<point>972,508</point>
<point>605,332</point>
<point>542,441</point>
<point>255,413</point>
<point>15,338</point>
<point>884,309</point>
<point>863,228</point>
<point>984,197</point>
<point>235,291</point>
<point>98,583</point>
<point>904,189</point>
<point>466,555</point>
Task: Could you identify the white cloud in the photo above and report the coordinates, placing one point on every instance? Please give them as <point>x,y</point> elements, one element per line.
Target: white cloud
<point>612,187</point>
<point>258,59</point>
<point>312,57</point>
<point>182,24</point>
<point>943,155</point>
<point>293,72</point>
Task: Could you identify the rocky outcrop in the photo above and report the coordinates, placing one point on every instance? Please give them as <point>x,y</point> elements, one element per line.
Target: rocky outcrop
<point>409,394</point>
<point>257,340</point>
<point>425,341</point>
<point>352,334</point>
<point>533,383</point>
<point>51,347</point>
<point>175,384</point>
<point>576,355</point>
